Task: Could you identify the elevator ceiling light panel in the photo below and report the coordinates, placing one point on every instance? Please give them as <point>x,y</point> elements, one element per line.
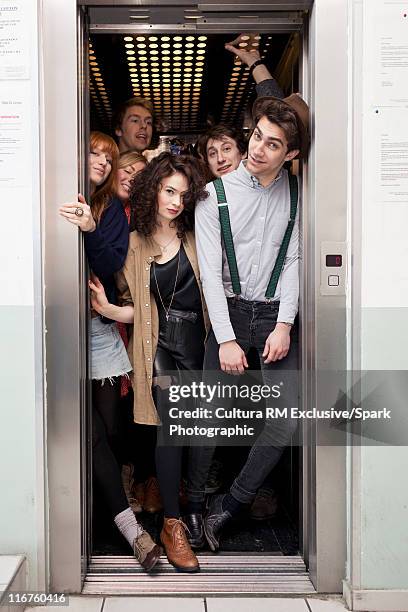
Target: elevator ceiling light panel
<point>97,88</point>
<point>190,78</point>
<point>166,74</point>
<point>239,86</point>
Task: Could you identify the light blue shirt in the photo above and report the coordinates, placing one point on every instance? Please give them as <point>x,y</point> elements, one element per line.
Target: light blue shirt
<point>259,217</point>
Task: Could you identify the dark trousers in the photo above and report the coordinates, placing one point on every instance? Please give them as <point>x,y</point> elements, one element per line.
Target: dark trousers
<point>252,323</point>
<point>180,347</point>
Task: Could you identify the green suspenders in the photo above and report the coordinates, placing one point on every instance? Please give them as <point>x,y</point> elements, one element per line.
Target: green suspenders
<point>229,243</point>
<point>227,234</point>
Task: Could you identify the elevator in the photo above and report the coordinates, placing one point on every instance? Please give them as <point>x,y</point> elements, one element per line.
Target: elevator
<point>319,72</point>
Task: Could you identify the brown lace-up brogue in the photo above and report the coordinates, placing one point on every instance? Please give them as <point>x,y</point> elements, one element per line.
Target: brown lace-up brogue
<point>146,551</point>
<point>152,501</point>
<point>178,550</point>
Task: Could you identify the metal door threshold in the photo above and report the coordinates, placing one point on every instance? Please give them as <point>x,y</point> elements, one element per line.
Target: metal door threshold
<point>222,574</point>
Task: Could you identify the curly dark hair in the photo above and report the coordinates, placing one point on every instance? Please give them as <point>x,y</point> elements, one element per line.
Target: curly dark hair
<point>146,185</point>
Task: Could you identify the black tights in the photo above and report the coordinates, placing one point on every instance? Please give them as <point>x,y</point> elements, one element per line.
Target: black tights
<point>138,441</point>
<point>181,346</point>
<point>105,438</point>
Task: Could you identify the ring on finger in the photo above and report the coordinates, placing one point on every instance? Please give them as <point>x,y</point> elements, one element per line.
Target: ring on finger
<point>79,211</point>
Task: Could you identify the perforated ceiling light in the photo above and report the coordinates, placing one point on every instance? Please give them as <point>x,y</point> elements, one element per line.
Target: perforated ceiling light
<point>131,47</point>
<point>237,92</point>
<point>175,73</point>
<point>97,87</point>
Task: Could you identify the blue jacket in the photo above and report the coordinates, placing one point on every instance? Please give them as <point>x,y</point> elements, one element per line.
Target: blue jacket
<point>106,248</point>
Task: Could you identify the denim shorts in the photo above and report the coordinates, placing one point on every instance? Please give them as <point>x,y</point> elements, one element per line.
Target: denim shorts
<point>108,353</point>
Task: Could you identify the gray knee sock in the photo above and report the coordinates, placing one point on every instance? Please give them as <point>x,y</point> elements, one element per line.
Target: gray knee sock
<point>128,526</point>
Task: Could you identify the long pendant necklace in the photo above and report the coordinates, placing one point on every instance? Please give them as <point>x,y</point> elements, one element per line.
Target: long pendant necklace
<point>167,310</point>
<point>166,246</point>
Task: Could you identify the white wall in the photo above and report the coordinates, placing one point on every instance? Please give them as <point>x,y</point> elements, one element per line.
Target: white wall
<point>379,506</point>
<point>21,373</point>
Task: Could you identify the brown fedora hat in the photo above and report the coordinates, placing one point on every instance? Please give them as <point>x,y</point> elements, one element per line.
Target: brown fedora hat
<point>301,109</point>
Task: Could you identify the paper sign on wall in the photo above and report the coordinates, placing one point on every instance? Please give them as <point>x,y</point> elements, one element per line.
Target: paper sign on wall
<point>385,154</point>
<point>14,40</point>
<point>386,101</point>
<point>15,134</point>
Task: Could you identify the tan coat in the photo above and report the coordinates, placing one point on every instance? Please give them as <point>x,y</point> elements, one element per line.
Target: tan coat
<point>134,288</point>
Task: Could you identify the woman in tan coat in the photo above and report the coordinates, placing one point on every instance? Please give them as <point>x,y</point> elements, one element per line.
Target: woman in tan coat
<point>161,295</point>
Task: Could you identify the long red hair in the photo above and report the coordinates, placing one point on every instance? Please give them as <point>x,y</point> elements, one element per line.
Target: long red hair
<point>103,193</point>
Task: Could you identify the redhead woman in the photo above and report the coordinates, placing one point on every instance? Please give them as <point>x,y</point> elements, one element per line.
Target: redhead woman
<point>106,238</point>
<point>161,295</point>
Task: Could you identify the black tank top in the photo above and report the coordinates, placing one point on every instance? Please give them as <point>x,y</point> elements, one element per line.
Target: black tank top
<point>187,294</point>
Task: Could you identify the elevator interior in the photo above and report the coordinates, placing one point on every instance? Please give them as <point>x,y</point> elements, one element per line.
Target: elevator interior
<point>194,82</point>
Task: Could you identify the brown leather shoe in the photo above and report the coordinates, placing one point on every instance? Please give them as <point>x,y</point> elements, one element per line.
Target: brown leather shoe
<point>136,497</point>
<point>264,506</point>
<point>127,477</point>
<point>146,551</point>
<point>178,550</point>
<point>128,485</point>
<point>152,501</point>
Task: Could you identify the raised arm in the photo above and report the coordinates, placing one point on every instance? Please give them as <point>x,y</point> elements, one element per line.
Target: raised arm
<point>266,85</point>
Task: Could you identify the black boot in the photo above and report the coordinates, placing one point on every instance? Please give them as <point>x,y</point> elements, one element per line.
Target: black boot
<point>195,533</point>
<point>214,521</point>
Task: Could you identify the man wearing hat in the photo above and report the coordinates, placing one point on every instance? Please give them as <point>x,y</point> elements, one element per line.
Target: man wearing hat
<point>247,233</point>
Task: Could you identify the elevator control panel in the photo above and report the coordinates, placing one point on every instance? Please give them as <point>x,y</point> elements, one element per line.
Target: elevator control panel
<point>333,268</point>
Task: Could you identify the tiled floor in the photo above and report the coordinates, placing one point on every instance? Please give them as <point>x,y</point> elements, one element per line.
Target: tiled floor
<point>209,604</point>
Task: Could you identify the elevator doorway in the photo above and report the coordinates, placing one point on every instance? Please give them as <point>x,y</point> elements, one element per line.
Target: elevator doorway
<point>200,85</point>
<point>234,571</point>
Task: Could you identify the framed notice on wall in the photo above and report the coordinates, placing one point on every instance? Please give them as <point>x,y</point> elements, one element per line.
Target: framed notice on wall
<point>14,40</point>
<point>386,100</point>
<point>385,154</point>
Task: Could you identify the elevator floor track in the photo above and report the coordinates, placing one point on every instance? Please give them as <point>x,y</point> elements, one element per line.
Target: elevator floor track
<point>221,574</point>
<point>276,536</point>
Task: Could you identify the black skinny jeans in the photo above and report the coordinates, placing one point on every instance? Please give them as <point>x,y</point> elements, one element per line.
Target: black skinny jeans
<point>180,347</point>
<point>252,323</point>
<point>105,440</point>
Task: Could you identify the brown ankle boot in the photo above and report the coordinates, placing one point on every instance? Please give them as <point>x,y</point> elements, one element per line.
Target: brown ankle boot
<point>152,501</point>
<point>178,550</point>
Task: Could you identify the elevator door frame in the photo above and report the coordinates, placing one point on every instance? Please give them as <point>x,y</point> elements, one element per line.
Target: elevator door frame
<point>323,521</point>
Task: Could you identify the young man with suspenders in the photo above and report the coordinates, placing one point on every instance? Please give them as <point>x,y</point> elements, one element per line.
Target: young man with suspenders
<point>247,234</point>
